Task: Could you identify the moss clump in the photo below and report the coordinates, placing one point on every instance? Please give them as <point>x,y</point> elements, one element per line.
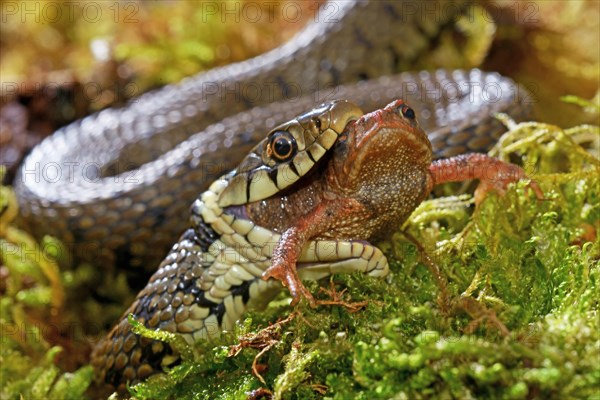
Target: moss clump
<point>32,300</point>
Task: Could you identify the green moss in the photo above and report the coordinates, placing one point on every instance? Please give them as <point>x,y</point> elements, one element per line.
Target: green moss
<point>207,371</point>
<point>24,377</point>
<point>33,314</point>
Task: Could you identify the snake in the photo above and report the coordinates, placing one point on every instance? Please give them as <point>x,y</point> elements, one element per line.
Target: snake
<point>117,186</point>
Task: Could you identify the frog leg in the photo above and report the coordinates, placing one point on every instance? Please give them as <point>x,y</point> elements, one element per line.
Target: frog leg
<point>492,173</point>
<point>295,245</point>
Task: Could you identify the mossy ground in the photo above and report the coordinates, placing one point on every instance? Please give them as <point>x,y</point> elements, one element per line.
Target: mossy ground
<point>512,313</point>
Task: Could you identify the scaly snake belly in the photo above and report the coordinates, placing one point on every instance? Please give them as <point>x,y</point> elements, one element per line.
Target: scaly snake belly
<point>127,176</point>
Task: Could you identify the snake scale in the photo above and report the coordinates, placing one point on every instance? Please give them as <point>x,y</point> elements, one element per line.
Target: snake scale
<point>124,179</point>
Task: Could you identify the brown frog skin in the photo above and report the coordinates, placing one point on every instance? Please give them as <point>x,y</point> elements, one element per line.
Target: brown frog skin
<point>381,169</point>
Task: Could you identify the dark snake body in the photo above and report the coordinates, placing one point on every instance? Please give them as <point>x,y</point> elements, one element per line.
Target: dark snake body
<point>128,176</point>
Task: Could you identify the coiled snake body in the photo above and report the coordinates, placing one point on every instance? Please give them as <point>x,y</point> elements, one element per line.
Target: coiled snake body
<point>129,175</point>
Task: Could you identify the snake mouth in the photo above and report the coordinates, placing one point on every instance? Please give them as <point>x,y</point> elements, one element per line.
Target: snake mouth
<point>283,209</point>
<point>239,212</point>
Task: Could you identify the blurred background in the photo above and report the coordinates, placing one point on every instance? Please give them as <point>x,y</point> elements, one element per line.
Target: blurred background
<point>62,60</point>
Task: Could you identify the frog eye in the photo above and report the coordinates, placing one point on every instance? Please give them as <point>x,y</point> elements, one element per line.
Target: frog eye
<point>282,146</point>
<point>407,112</point>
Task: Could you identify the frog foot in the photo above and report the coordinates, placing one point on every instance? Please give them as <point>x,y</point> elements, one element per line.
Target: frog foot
<point>287,274</point>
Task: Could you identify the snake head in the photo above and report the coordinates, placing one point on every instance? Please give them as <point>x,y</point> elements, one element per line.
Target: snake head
<point>288,153</point>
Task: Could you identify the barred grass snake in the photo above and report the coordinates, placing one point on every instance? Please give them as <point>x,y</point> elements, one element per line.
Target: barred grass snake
<point>125,178</point>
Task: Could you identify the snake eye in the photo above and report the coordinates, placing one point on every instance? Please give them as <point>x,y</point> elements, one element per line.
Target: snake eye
<point>282,146</point>
<point>407,112</point>
<point>317,122</point>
